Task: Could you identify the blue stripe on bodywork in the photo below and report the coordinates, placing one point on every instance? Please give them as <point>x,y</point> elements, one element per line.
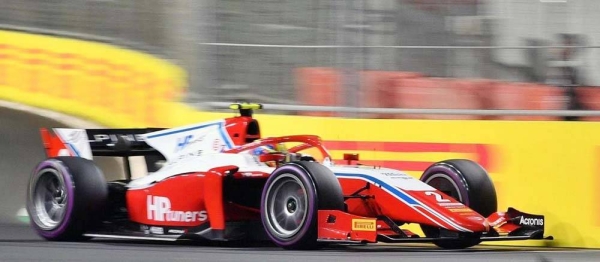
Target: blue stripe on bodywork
<point>224,135</point>
<point>405,197</point>
<point>183,130</point>
<point>393,189</point>
<point>74,149</point>
<point>225,138</point>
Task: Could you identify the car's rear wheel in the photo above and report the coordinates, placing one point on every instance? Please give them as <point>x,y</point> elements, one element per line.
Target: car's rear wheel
<point>467,182</point>
<point>65,197</point>
<point>291,198</point>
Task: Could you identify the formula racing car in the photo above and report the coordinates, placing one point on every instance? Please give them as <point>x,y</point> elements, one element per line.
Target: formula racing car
<point>222,181</point>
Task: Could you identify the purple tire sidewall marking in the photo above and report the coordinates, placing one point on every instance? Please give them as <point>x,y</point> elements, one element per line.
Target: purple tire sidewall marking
<point>454,176</point>
<point>70,197</point>
<point>311,203</point>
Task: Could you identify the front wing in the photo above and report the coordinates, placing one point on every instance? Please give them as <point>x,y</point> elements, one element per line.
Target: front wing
<point>341,227</point>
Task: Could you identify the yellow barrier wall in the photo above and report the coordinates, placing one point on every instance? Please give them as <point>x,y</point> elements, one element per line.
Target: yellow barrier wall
<point>108,84</point>
<point>550,168</point>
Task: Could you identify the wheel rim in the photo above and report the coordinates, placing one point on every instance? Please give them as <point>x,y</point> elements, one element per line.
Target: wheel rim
<point>49,199</point>
<point>445,184</point>
<point>286,205</point>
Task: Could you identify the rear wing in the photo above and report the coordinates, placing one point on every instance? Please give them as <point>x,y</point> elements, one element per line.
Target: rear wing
<point>87,143</point>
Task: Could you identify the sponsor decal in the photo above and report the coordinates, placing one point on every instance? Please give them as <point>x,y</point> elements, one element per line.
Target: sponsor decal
<point>159,209</point>
<point>145,229</point>
<point>396,175</point>
<point>217,145</point>
<point>498,221</point>
<point>157,230</point>
<point>364,225</point>
<point>176,231</point>
<point>452,204</point>
<point>182,142</point>
<point>185,156</point>
<point>461,210</point>
<point>531,221</point>
<point>437,196</point>
<point>99,138</point>
<point>250,174</point>
<point>75,136</point>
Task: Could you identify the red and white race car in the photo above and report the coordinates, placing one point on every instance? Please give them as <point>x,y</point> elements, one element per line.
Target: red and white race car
<point>221,181</point>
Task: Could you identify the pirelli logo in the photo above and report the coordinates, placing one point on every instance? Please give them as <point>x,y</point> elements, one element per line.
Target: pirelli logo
<point>364,225</point>
<point>461,210</point>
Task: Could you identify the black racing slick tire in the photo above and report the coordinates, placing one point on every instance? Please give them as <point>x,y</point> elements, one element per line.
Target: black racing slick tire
<point>66,197</point>
<point>467,182</point>
<point>290,200</point>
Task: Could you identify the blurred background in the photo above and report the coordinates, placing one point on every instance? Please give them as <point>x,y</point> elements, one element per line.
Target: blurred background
<point>428,54</point>
<point>410,59</point>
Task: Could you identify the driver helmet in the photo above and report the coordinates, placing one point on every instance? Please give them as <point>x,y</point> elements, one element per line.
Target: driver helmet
<point>261,150</point>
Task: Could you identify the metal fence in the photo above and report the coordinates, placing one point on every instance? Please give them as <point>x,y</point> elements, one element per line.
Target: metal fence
<point>134,21</point>
<point>258,44</point>
<point>250,50</point>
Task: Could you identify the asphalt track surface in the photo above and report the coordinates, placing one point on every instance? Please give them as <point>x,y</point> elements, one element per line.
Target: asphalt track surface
<point>20,150</point>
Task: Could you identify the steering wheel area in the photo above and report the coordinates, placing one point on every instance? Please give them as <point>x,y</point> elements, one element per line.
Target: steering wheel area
<point>275,155</point>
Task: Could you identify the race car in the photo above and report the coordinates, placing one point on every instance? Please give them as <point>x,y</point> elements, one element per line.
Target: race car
<point>222,181</point>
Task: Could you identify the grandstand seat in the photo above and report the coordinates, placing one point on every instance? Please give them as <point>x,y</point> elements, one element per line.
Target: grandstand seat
<point>527,96</point>
<point>379,88</point>
<point>440,93</point>
<point>590,100</point>
<point>318,87</point>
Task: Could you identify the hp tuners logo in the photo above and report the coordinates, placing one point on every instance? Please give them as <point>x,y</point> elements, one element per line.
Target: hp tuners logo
<point>182,142</point>
<point>530,221</point>
<point>159,209</point>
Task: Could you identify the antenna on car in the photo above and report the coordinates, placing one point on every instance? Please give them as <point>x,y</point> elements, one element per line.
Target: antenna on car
<point>246,109</point>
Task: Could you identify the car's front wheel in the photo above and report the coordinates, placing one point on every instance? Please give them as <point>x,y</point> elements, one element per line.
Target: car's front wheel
<point>467,182</point>
<point>291,198</point>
